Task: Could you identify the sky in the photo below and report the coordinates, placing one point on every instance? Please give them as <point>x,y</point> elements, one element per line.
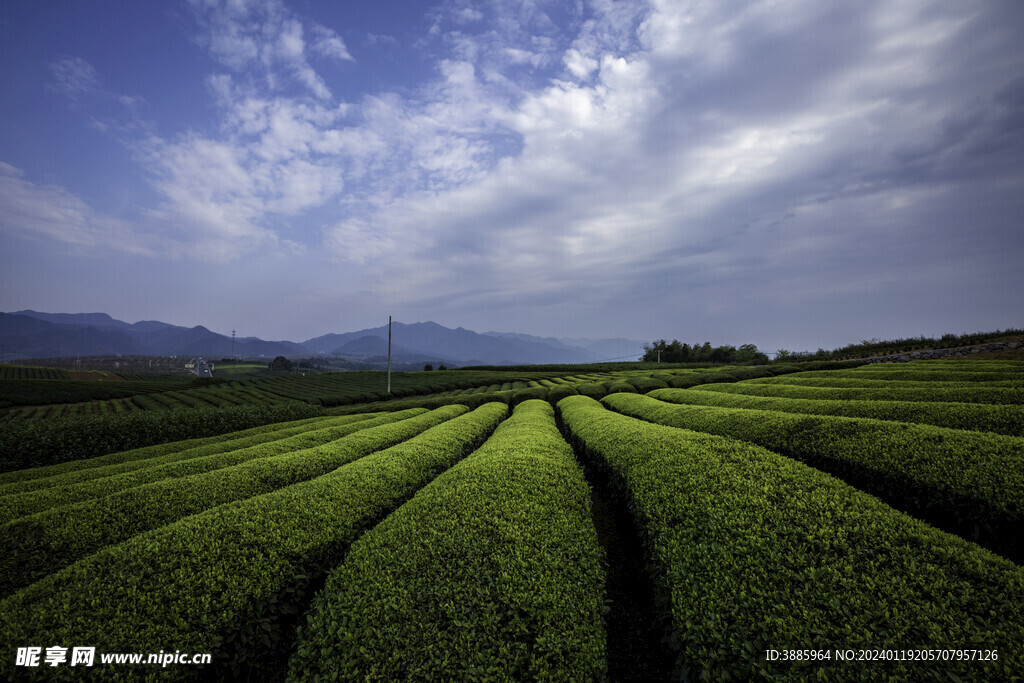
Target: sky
<point>789,173</point>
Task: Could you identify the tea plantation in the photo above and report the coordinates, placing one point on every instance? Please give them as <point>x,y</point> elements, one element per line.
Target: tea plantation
<point>804,522</point>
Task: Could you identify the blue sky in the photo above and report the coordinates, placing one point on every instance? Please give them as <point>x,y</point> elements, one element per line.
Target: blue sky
<point>788,173</point>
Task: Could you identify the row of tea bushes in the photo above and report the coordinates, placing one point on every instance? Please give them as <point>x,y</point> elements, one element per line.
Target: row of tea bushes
<point>186,463</point>
<point>755,551</point>
<point>969,482</point>
<point>137,458</point>
<point>46,541</point>
<point>34,443</point>
<point>491,572</point>
<point>1001,419</point>
<point>884,392</point>
<point>868,382</point>
<point>220,581</point>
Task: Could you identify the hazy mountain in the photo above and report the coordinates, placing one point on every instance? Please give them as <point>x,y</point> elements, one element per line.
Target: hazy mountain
<point>550,341</point>
<point>460,345</point>
<point>615,348</point>
<point>30,334</point>
<point>595,350</point>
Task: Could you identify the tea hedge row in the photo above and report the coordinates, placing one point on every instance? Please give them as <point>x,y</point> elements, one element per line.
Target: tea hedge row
<point>26,479</point>
<point>492,571</point>
<point>46,541</point>
<point>975,394</point>
<point>971,483</point>
<point>829,380</point>
<point>79,471</point>
<point>25,444</point>
<point>755,551</point>
<point>929,374</point>
<point>219,581</point>
<point>183,464</point>
<point>31,372</point>
<point>1001,419</point>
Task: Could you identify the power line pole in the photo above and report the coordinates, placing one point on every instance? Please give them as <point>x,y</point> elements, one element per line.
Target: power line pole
<point>232,345</point>
<point>389,354</point>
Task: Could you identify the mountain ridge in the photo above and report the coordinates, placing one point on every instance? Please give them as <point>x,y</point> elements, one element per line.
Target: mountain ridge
<point>30,334</point>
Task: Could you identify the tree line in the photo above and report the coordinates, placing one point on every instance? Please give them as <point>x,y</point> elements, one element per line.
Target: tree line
<point>677,352</point>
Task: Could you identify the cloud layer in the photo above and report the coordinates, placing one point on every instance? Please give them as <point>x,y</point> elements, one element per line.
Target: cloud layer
<point>651,158</point>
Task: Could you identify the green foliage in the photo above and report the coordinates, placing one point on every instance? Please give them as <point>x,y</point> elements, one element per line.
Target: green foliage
<point>491,571</point>
<point>645,384</point>
<point>623,387</point>
<point>1001,419</point>
<point>591,389</point>
<point>30,372</point>
<point>969,482</point>
<point>125,461</point>
<point>520,395</point>
<point>877,347</point>
<point>35,495</point>
<point>56,537</point>
<point>25,444</point>
<point>29,392</point>
<point>559,392</point>
<point>280,363</point>
<point>883,392</point>
<point>220,581</point>
<point>676,352</point>
<point>752,550</point>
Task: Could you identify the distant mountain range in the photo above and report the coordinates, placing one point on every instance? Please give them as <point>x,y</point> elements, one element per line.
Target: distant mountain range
<point>30,334</point>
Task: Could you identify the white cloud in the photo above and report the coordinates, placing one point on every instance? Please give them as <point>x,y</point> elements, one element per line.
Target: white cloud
<point>74,77</point>
<point>579,65</point>
<point>672,150</point>
<point>266,34</point>
<point>60,215</point>
<point>329,44</point>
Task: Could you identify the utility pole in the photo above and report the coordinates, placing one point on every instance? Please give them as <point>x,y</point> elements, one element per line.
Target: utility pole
<point>389,354</point>
<point>232,346</point>
<point>659,355</point>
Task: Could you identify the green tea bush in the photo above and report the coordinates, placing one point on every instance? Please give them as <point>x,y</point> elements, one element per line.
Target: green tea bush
<point>971,483</point>
<point>25,444</point>
<point>520,395</point>
<point>492,571</point>
<point>591,389</point>
<point>223,580</point>
<point>46,541</point>
<point>831,380</point>
<point>42,494</point>
<point>560,392</point>
<point>751,550</point>
<point>1002,419</point>
<point>645,384</point>
<point>966,394</point>
<point>620,387</point>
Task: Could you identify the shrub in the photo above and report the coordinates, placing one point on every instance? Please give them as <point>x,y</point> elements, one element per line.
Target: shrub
<point>621,387</point>
<point>749,549</point>
<point>221,581</point>
<point>25,444</point>
<point>400,605</point>
<point>591,389</point>
<point>969,482</point>
<point>49,540</point>
<point>520,395</point>
<point>558,393</point>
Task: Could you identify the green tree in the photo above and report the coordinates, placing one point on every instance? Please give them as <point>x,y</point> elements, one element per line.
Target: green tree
<point>280,363</point>
<point>428,367</point>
